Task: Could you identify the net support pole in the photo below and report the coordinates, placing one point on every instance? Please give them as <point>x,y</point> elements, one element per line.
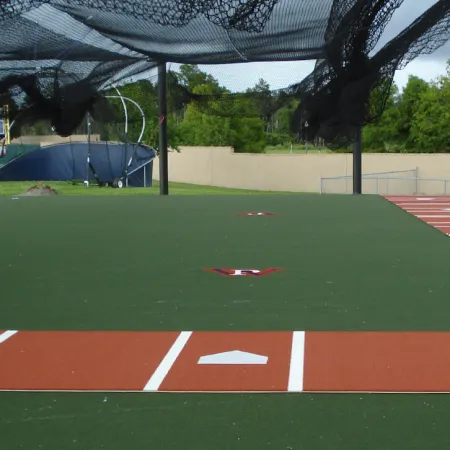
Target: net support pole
<point>163,151</point>
<point>357,162</point>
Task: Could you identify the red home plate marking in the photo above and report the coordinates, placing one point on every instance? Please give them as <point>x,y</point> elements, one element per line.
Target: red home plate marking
<point>256,214</point>
<point>243,374</point>
<point>371,361</point>
<point>81,360</point>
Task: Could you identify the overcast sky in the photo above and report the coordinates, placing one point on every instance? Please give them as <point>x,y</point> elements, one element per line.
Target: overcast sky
<point>241,76</point>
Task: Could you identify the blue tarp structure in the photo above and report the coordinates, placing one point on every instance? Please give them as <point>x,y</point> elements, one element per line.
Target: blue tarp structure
<point>13,151</point>
<point>67,161</point>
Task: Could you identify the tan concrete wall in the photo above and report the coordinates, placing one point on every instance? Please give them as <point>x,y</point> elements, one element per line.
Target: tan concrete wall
<point>53,139</point>
<point>219,166</point>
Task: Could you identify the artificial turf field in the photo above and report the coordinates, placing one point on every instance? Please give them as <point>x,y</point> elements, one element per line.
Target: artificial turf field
<point>133,269</point>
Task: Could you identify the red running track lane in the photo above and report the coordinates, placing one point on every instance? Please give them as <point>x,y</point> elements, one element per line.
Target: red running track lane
<point>435,211</point>
<point>236,361</point>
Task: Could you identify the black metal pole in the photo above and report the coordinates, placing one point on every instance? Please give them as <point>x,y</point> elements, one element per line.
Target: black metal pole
<point>357,162</point>
<point>163,153</point>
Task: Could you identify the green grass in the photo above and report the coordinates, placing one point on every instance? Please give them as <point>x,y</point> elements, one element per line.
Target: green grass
<point>136,262</point>
<point>66,188</point>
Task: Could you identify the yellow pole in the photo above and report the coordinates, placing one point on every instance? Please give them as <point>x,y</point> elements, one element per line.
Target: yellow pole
<point>7,135</point>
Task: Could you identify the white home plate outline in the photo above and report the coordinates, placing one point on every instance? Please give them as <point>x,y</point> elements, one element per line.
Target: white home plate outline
<point>233,357</point>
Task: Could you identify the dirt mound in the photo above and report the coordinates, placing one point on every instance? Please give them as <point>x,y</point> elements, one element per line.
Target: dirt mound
<point>40,189</point>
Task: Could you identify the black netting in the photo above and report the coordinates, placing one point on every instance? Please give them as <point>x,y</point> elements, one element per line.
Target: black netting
<point>59,57</point>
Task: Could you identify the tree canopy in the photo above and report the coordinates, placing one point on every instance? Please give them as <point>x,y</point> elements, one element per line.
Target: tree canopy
<point>414,120</point>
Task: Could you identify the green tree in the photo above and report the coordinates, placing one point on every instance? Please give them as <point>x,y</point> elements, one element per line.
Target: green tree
<point>202,129</point>
<point>263,100</point>
<point>145,95</point>
<point>248,135</point>
<point>408,104</point>
<point>384,135</point>
<point>232,128</point>
<point>191,77</point>
<point>430,128</point>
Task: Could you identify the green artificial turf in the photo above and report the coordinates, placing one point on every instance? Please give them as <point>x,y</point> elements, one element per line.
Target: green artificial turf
<point>354,263</point>
<point>136,263</point>
<point>74,421</point>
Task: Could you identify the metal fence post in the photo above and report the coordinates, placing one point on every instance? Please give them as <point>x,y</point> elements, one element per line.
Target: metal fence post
<point>416,176</point>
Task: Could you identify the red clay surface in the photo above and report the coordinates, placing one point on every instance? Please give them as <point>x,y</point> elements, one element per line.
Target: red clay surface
<point>386,362</point>
<point>187,375</point>
<point>81,360</point>
<point>433,210</point>
<point>126,361</point>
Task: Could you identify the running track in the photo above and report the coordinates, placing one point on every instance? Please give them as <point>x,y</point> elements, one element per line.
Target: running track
<point>434,211</point>
<point>312,361</point>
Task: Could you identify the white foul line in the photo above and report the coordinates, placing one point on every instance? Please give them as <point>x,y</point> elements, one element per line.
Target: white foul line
<point>417,205</point>
<point>295,383</point>
<point>432,217</point>
<point>6,335</point>
<point>166,364</point>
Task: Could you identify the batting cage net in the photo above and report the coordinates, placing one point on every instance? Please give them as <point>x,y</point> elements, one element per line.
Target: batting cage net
<point>59,59</point>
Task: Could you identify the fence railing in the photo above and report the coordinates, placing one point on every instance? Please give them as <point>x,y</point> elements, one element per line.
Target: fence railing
<point>139,168</point>
<point>382,185</point>
<point>423,186</point>
<point>371,182</point>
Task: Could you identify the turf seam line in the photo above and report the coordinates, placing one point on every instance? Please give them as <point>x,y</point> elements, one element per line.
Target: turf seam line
<point>168,361</point>
<point>296,367</point>
<point>6,335</point>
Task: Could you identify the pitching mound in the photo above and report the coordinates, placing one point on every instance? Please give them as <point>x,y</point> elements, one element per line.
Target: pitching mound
<point>38,190</point>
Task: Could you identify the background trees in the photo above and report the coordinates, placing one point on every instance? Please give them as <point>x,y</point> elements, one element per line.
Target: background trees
<point>415,120</point>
